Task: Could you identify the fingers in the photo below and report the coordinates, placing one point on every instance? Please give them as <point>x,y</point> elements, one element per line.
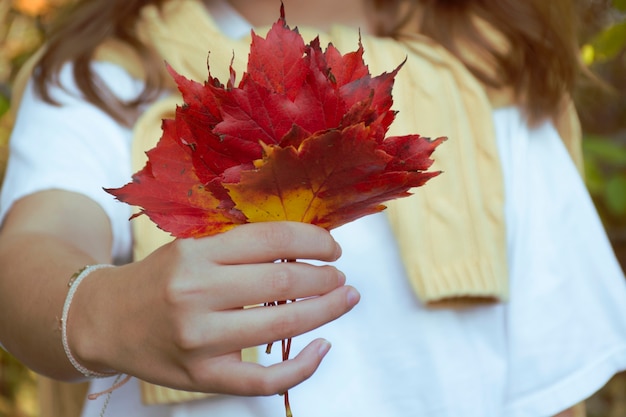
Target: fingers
<point>237,329</point>
<point>268,241</point>
<point>195,287</point>
<point>244,378</point>
<point>245,285</point>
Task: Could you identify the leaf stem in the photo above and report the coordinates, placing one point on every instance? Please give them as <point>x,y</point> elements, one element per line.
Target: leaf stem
<point>285,346</point>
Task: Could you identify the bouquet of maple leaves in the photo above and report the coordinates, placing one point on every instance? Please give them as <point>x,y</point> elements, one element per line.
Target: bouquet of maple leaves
<point>300,138</point>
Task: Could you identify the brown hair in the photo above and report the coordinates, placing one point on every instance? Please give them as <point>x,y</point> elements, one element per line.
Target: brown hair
<point>74,38</point>
<point>541,64</point>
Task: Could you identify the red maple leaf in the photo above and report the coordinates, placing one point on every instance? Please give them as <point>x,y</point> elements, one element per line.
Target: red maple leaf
<point>301,137</point>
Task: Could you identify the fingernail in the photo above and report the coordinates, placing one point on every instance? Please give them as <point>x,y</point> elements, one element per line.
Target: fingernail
<point>353,297</point>
<point>324,348</point>
<point>338,251</point>
<point>342,277</point>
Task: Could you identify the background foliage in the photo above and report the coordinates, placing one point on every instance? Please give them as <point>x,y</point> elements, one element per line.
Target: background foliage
<point>603,116</point>
<point>602,111</point>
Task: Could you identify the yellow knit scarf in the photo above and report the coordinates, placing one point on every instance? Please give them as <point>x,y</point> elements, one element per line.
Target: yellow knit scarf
<point>450,233</point>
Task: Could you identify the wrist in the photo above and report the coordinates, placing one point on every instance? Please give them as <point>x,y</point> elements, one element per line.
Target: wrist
<point>79,331</point>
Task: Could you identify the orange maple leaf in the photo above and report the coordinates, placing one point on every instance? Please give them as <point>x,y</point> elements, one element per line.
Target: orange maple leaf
<point>302,137</point>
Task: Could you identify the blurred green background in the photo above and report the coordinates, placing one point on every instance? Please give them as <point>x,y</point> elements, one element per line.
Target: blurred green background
<point>602,109</point>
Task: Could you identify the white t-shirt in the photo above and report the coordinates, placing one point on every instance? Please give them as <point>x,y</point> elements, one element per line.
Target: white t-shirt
<point>561,336</point>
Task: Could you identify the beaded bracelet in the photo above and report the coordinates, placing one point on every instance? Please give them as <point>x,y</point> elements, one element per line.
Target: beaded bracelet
<point>73,284</point>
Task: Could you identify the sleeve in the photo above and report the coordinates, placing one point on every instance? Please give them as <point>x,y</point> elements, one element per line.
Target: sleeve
<point>74,146</point>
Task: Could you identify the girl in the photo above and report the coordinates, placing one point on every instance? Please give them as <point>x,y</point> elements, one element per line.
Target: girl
<point>491,292</point>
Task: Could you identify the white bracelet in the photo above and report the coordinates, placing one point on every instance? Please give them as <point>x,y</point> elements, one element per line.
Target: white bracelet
<point>73,284</point>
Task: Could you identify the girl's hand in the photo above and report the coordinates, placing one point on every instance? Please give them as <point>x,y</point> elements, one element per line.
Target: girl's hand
<point>176,317</point>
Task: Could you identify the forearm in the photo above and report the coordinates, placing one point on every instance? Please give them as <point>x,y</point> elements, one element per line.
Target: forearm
<point>34,272</point>
<point>180,307</point>
<point>45,238</point>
